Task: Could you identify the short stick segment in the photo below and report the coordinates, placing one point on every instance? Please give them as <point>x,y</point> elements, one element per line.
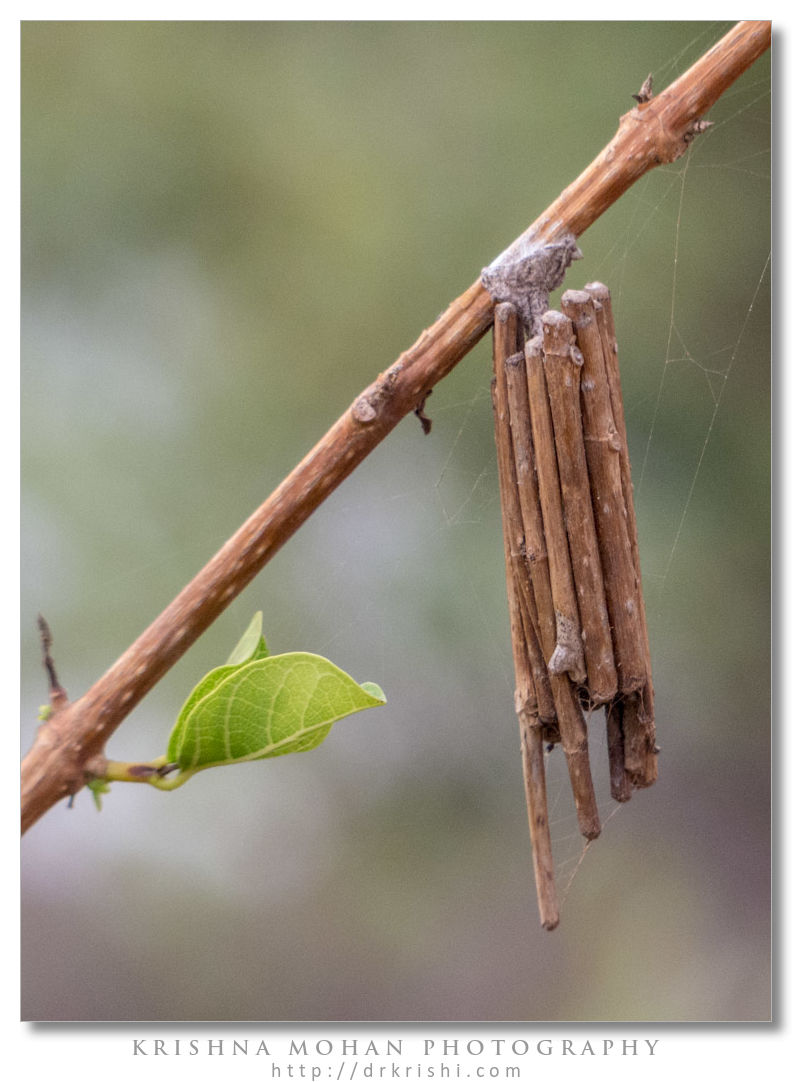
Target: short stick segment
<point>532,750</point>
<point>551,502</point>
<point>601,294</point>
<point>620,785</point>
<point>505,337</point>
<point>639,718</point>
<point>506,332</point>
<point>557,607</point>
<point>640,749</point>
<point>562,372</point>
<point>603,446</point>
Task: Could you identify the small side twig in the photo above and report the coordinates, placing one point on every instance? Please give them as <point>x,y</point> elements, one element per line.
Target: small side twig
<point>57,695</point>
<point>645,94</point>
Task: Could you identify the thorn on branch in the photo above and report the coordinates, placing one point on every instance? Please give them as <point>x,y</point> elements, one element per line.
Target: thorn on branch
<point>644,95</point>
<point>696,128</point>
<point>58,696</point>
<point>426,422</point>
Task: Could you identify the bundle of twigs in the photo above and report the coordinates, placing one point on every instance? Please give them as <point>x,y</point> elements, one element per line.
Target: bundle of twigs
<point>573,575</point>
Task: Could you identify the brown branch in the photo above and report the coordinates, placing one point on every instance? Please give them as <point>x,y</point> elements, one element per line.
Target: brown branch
<point>654,133</point>
<point>650,134</point>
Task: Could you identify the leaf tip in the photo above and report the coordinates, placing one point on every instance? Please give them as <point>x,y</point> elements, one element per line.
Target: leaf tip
<point>252,645</point>
<point>374,690</point>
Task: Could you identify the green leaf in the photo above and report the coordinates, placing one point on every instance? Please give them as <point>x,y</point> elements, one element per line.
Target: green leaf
<point>265,707</point>
<point>252,645</point>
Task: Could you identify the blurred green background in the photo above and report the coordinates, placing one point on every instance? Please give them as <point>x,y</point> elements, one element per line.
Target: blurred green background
<point>228,230</point>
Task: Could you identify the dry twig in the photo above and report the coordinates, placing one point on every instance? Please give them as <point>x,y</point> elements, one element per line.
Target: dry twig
<point>529,669</point>
<point>562,363</point>
<point>603,448</point>
<point>601,294</point>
